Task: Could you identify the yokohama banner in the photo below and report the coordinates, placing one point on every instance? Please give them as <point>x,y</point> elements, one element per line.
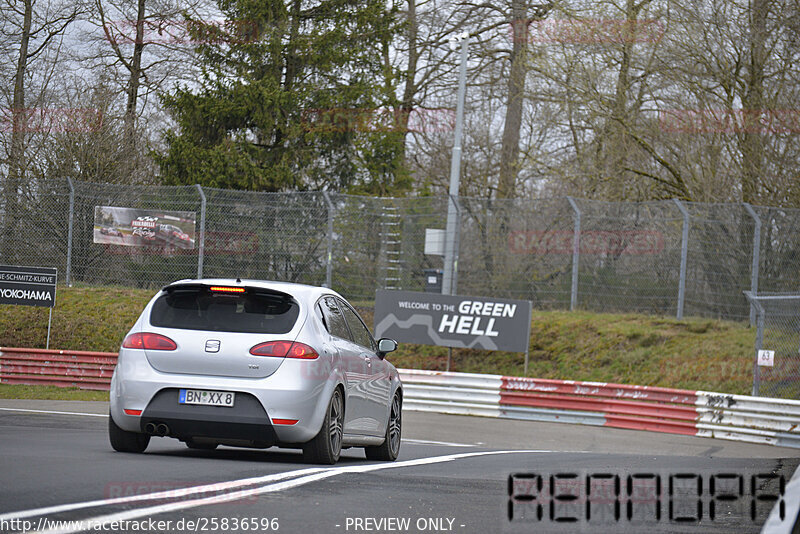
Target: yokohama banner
<point>28,286</point>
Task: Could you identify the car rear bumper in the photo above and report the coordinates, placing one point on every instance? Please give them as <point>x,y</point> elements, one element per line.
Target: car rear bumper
<point>245,420</point>
<point>287,394</point>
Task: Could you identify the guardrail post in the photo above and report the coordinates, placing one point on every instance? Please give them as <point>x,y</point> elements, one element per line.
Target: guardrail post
<point>329,256</point>
<point>201,247</point>
<point>69,233</point>
<point>576,252</point>
<point>756,258</point>
<point>684,256</point>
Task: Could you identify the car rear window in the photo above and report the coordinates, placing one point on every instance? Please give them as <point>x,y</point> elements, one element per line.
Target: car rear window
<point>256,311</point>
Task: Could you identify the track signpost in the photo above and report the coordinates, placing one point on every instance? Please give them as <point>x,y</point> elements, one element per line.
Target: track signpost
<point>455,321</point>
<point>29,286</point>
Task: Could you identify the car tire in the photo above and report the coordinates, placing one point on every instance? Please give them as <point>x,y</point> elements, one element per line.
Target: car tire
<point>201,446</point>
<point>124,441</point>
<point>327,444</point>
<point>390,448</point>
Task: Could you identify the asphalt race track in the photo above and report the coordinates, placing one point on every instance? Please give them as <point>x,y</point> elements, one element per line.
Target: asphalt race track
<point>455,474</point>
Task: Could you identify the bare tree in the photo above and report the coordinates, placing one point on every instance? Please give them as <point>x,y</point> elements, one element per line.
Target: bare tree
<point>737,75</point>
<point>30,30</point>
<point>521,17</point>
<point>423,68</point>
<point>147,47</point>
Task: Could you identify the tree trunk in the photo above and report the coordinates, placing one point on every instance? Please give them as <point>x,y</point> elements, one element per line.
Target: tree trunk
<point>751,138</point>
<point>614,142</point>
<point>16,165</point>
<point>509,155</point>
<point>410,89</point>
<point>134,82</point>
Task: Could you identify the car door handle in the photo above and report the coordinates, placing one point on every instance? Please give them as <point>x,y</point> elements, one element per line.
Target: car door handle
<point>368,360</point>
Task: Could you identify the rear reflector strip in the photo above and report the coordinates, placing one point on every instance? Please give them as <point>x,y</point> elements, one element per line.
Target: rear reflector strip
<point>284,421</point>
<point>222,289</point>
<point>133,412</point>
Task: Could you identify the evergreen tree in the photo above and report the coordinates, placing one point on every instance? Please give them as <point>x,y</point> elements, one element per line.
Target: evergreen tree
<point>290,97</point>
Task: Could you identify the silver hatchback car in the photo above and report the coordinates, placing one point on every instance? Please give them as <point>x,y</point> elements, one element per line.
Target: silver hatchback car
<point>255,364</point>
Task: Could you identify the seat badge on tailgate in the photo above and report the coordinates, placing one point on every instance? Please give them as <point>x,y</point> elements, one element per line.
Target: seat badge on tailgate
<point>212,345</point>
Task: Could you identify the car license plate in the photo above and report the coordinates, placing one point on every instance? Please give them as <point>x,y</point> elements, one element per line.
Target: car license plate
<point>210,398</point>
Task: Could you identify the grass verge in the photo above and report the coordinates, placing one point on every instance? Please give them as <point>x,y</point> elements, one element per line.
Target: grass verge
<point>15,391</point>
<point>622,348</point>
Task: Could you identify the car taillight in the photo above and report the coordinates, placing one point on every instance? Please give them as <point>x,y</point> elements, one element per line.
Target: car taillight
<point>225,289</point>
<point>285,349</point>
<point>149,341</point>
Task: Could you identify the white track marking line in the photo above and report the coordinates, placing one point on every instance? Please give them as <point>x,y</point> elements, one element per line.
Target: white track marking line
<point>429,442</point>
<point>774,524</point>
<point>271,488</point>
<point>168,494</point>
<point>54,412</point>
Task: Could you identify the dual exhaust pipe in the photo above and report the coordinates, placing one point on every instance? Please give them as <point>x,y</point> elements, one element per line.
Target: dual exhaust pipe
<point>156,429</point>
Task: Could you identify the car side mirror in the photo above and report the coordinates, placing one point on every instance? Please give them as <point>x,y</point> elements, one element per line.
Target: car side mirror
<point>385,346</point>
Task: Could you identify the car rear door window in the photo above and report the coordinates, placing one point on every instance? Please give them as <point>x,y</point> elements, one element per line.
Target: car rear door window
<point>334,320</point>
<point>256,311</point>
<point>360,332</point>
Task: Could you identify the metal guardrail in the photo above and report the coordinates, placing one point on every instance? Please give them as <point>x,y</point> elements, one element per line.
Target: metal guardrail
<point>745,418</point>
<point>675,411</point>
<point>63,368</point>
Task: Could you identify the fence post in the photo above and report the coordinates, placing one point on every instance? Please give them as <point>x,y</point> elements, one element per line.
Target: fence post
<point>759,338</point>
<point>576,251</point>
<point>201,248</point>
<point>329,266</point>
<point>453,228</point>
<point>684,256</point>
<point>69,230</point>
<point>756,258</point>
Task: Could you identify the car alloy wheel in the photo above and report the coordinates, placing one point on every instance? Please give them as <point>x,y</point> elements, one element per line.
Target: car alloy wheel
<point>336,423</point>
<point>327,444</point>
<point>390,447</point>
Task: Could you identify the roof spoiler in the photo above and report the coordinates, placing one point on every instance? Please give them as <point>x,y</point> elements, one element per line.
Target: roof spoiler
<point>253,290</point>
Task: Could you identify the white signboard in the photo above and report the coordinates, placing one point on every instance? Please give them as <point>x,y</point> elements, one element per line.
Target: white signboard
<point>453,320</point>
<point>434,242</point>
<point>766,358</point>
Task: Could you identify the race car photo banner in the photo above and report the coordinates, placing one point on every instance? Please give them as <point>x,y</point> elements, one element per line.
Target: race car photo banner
<point>137,227</point>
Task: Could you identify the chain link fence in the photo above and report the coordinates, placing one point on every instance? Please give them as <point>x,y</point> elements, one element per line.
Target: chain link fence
<point>664,257</point>
<point>776,363</point>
